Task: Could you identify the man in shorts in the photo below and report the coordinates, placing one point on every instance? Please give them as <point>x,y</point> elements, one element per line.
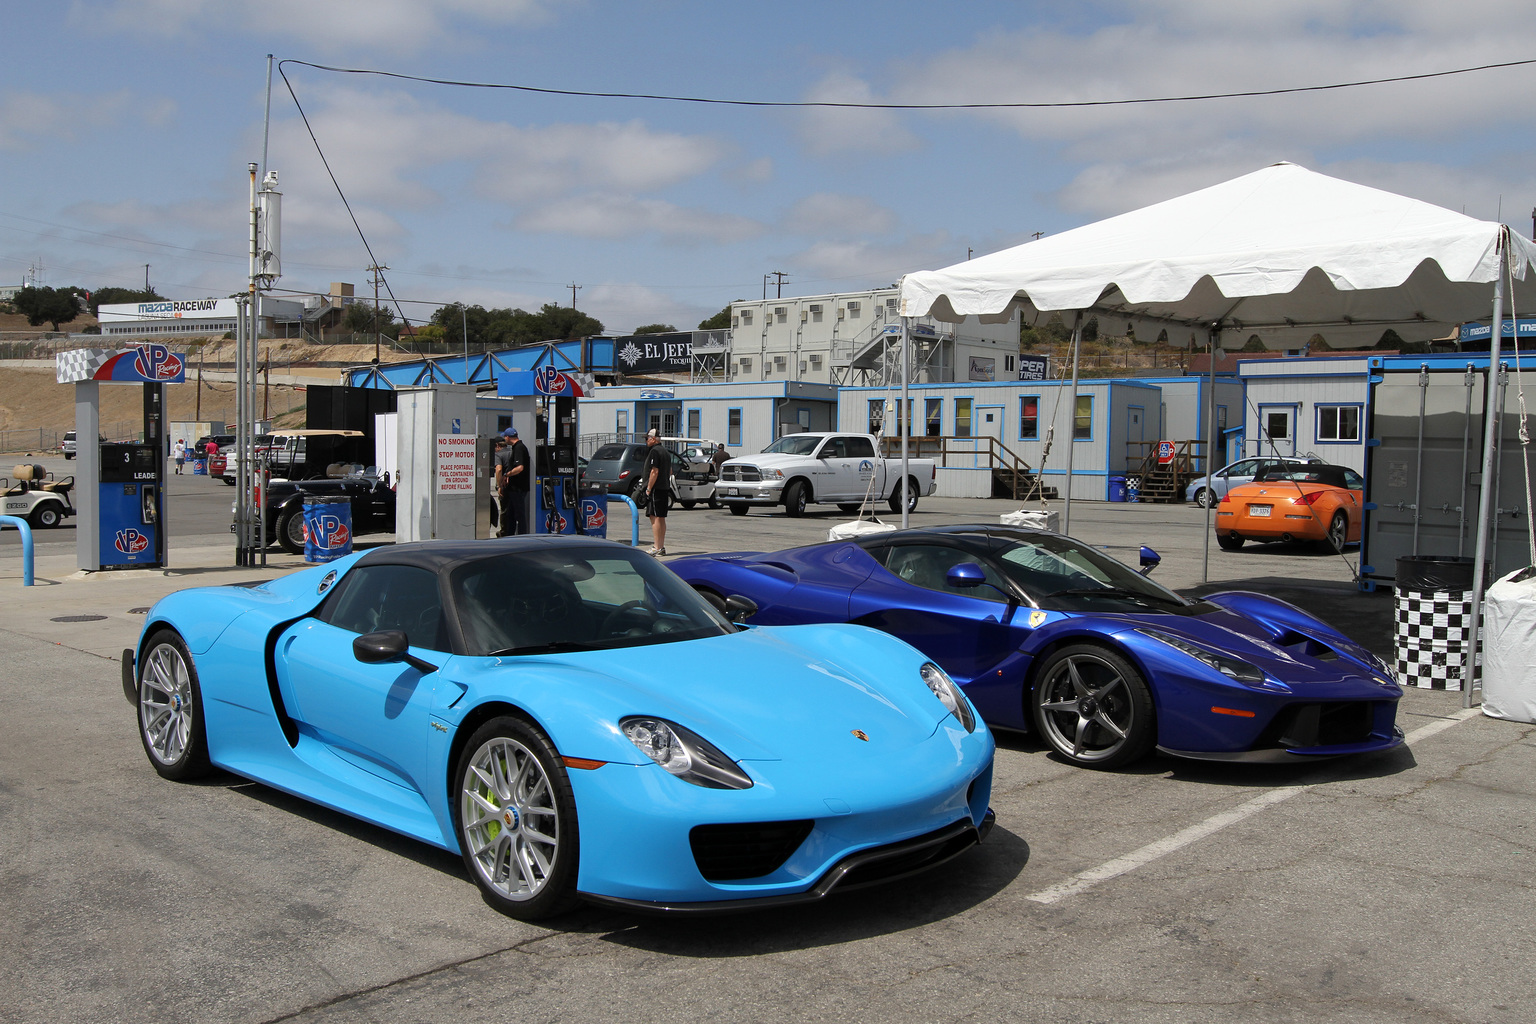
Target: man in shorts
<point>657,474</point>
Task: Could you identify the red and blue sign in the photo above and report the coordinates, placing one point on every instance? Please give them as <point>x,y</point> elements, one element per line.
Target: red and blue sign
<point>130,541</point>
<point>1164,452</point>
<point>595,518</point>
<point>147,364</point>
<point>546,380</point>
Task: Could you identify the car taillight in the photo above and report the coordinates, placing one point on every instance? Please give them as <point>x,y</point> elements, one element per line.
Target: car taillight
<point>623,474</point>
<point>1224,499</point>
<point>1307,499</point>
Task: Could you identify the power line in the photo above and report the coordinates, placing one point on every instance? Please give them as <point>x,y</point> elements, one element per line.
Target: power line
<point>1001,105</point>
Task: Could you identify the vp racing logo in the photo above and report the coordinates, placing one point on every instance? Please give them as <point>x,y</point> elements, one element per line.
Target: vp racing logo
<point>595,517</point>
<point>551,381</point>
<point>156,362</point>
<point>130,541</point>
<point>329,533</point>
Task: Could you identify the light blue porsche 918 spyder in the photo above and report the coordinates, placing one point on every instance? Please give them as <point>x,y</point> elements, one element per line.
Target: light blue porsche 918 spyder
<point>574,720</point>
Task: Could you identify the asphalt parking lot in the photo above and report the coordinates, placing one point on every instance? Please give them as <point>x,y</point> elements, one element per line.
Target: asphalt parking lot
<point>1387,888</point>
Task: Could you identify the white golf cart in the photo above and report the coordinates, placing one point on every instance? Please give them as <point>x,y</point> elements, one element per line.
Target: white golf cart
<point>693,470</point>
<point>33,493</point>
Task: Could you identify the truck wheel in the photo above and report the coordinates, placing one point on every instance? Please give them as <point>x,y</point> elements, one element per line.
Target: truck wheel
<point>849,507</point>
<point>738,508</point>
<point>290,531</point>
<point>911,496</point>
<point>795,499</point>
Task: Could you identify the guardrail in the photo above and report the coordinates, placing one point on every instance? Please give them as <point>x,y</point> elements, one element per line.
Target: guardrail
<point>26,545</point>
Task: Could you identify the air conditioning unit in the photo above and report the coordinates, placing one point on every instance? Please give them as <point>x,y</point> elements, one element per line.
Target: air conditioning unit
<point>816,307</point>
<point>839,312</point>
<point>804,315</point>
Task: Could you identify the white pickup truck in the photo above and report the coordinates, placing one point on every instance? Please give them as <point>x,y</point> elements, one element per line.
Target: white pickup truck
<point>838,469</point>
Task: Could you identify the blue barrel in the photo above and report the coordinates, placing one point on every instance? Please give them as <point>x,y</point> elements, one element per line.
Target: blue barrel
<point>199,467</point>
<point>592,516</point>
<point>1117,488</point>
<point>327,528</point>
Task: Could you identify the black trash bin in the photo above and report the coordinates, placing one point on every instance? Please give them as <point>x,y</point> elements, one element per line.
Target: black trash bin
<point>1434,617</point>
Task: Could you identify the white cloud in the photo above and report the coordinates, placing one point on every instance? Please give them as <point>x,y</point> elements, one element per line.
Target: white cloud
<point>832,266</point>
<point>837,216</point>
<point>398,26</point>
<point>826,131</point>
<point>599,215</point>
<point>30,120</point>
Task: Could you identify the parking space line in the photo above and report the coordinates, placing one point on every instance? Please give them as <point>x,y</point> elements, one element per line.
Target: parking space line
<point>1084,880</point>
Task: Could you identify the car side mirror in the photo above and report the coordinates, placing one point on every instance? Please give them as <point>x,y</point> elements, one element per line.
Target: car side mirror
<point>385,646</point>
<point>738,608</point>
<point>1149,560</point>
<point>965,575</point>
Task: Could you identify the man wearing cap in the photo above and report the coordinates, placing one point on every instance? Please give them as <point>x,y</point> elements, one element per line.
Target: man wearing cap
<point>512,482</point>
<point>657,474</point>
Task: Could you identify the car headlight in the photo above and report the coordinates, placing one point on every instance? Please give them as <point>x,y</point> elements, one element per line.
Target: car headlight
<point>1236,668</point>
<point>949,694</point>
<point>684,753</point>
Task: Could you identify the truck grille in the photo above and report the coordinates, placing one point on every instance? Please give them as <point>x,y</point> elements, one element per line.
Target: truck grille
<point>741,474</point>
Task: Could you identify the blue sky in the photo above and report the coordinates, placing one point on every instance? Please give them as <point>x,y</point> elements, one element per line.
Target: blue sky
<point>126,127</point>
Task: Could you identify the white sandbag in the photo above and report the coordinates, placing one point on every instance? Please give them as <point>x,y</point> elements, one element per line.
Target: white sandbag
<point>1509,632</point>
<point>857,528</point>
<point>1039,520</point>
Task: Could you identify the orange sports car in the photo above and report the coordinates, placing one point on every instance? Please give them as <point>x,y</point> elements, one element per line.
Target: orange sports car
<point>1290,502</point>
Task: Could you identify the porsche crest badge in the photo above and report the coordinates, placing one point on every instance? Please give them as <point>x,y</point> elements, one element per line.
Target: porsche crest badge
<point>861,734</point>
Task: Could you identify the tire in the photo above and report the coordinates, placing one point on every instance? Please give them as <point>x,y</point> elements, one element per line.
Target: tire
<point>1338,533</point>
<point>515,818</point>
<point>849,507</point>
<point>738,508</point>
<point>290,531</point>
<point>796,497</point>
<point>1229,541</point>
<point>68,456</point>
<point>170,709</point>
<point>895,501</point>
<point>687,504</point>
<point>1203,498</point>
<point>46,516</point>
<point>714,502</point>
<point>229,480</point>
<point>1119,727</point>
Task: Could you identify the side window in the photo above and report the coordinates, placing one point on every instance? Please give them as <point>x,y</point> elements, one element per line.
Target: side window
<point>860,448</point>
<point>925,565</point>
<point>377,597</point>
<point>839,448</point>
<point>1241,469</point>
<point>1354,480</point>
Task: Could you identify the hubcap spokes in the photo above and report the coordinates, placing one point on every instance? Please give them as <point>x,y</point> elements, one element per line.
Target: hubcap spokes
<point>165,703</point>
<point>1087,708</point>
<point>510,824</point>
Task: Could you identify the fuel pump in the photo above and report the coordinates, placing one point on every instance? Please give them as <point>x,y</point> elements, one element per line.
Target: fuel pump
<point>129,499</point>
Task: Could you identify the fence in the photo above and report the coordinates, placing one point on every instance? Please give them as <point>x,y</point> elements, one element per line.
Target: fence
<point>43,439</point>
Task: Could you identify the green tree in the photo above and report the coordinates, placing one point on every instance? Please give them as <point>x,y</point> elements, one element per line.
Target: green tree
<point>48,305</point>
<point>721,321</point>
<point>365,318</point>
<point>112,296</point>
<point>655,329</point>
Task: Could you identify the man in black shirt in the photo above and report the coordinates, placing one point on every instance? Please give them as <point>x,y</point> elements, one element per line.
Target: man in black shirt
<point>657,474</point>
<point>512,482</point>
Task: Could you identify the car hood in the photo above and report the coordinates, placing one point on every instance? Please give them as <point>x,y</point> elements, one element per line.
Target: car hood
<point>1279,638</point>
<point>765,693</point>
<point>771,460</point>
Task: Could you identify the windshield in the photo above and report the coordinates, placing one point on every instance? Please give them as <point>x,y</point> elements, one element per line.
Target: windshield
<point>610,453</point>
<point>1061,573</point>
<point>578,598</point>
<point>794,444</point>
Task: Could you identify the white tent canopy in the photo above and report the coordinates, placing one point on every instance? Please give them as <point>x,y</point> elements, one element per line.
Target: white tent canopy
<point>1283,253</point>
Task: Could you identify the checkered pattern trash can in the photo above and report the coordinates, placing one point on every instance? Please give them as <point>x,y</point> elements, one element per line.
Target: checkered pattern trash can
<point>1433,622</point>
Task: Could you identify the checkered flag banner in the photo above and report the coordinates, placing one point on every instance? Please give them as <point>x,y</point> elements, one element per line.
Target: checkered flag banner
<point>1431,638</point>
<point>81,363</point>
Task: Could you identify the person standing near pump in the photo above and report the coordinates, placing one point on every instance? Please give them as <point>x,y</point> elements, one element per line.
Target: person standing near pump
<point>512,481</point>
<point>179,453</point>
<point>658,492</point>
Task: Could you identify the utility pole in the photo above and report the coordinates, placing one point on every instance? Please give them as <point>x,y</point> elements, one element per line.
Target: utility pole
<point>1037,235</point>
<point>781,276</point>
<point>146,277</point>
<point>765,286</point>
<point>574,289</point>
<point>377,271</point>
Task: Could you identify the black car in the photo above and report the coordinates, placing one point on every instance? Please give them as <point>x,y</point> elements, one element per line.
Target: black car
<point>617,467</point>
<point>200,446</point>
<point>372,500</point>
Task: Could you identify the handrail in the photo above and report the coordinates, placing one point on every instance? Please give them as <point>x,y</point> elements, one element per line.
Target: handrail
<point>25,529</point>
<point>998,455</point>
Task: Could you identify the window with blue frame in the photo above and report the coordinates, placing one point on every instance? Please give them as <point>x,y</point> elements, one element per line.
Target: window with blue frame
<point>693,423</point>
<point>962,417</point>
<point>1029,417</point>
<point>1082,420</point>
<point>733,427</point>
<point>933,416</point>
<point>876,415</point>
<point>1339,424</point>
<point>621,422</point>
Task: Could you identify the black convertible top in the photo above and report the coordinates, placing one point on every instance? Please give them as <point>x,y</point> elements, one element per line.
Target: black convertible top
<point>437,555</point>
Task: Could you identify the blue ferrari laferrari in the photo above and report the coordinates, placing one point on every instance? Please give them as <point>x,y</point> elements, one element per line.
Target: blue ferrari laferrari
<point>1046,633</point>
<point>575,721</point>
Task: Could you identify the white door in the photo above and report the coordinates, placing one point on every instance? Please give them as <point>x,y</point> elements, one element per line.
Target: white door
<point>1277,428</point>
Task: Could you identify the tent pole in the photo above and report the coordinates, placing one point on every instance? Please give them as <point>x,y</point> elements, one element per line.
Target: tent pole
<point>903,415</point>
<point>1491,416</point>
<point>1077,337</point>
<point>1213,341</point>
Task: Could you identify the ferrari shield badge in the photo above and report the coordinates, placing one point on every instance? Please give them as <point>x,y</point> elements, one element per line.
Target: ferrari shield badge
<point>1035,618</point>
